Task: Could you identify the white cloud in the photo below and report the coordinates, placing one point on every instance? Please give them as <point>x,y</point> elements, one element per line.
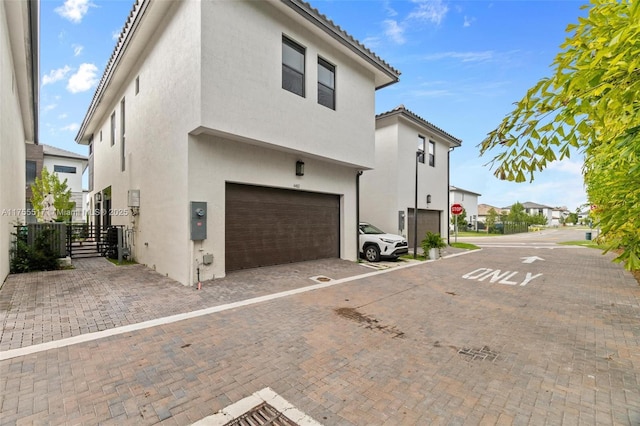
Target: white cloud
<point>468,21</point>
<point>74,10</point>
<point>390,11</point>
<point>73,127</point>
<point>484,56</point>
<point>84,79</point>
<point>432,11</point>
<point>115,35</point>
<point>62,116</point>
<point>49,107</point>
<point>567,166</point>
<point>394,31</point>
<point>55,75</point>
<point>77,49</point>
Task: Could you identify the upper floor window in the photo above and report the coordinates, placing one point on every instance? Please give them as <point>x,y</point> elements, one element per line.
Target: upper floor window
<point>31,172</point>
<point>432,153</point>
<point>113,128</point>
<point>292,67</point>
<point>420,152</point>
<point>63,169</point>
<point>122,135</point>
<point>326,84</point>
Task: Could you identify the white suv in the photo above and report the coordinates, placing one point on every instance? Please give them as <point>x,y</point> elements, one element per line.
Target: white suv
<point>375,243</point>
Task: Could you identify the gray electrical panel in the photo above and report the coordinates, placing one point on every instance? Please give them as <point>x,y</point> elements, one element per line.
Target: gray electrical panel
<point>198,220</point>
<point>401,220</point>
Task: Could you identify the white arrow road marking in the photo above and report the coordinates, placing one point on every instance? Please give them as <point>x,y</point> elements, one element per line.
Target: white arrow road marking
<point>531,259</point>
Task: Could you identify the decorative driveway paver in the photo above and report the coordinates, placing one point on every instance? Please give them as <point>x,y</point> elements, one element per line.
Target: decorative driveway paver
<point>44,306</point>
<point>391,349</point>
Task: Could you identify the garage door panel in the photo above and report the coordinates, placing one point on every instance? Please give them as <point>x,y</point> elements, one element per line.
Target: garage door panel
<point>269,226</point>
<point>428,221</point>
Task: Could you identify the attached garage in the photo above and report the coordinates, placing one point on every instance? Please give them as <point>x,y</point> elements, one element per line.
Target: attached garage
<point>428,220</point>
<point>270,226</point>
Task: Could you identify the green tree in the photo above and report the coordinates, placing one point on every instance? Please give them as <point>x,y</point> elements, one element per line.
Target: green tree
<point>517,214</point>
<point>590,104</point>
<point>461,221</point>
<point>49,183</point>
<point>492,218</point>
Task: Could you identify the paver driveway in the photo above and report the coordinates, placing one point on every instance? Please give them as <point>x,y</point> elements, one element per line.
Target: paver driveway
<point>420,345</point>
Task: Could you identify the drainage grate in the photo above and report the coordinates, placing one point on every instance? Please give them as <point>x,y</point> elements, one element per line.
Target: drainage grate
<point>263,414</point>
<point>482,354</point>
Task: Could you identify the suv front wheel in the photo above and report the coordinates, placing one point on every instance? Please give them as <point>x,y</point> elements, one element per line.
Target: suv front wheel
<point>372,253</point>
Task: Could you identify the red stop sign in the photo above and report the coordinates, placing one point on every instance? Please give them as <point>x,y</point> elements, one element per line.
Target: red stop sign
<point>456,209</point>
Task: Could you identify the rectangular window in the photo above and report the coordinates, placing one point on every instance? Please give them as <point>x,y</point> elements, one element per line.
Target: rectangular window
<point>63,169</point>
<point>31,172</point>
<point>420,152</point>
<point>100,135</point>
<point>137,85</point>
<point>432,153</point>
<point>122,136</point>
<point>326,84</point>
<point>113,128</point>
<point>292,67</point>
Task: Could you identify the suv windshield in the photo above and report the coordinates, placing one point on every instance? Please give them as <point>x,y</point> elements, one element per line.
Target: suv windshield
<point>366,228</point>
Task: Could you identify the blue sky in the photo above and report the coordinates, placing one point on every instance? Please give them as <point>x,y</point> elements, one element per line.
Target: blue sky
<point>463,64</point>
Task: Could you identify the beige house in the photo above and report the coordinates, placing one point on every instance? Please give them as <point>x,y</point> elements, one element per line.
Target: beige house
<point>18,112</point>
<point>230,135</point>
<point>409,149</point>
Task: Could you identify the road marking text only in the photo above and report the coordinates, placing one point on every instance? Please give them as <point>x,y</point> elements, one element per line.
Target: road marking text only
<point>497,276</point>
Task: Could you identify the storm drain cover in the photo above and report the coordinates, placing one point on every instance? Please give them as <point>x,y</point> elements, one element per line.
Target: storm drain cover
<point>482,354</point>
<point>263,414</point>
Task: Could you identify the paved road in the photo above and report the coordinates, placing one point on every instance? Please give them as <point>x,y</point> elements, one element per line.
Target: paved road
<point>506,335</point>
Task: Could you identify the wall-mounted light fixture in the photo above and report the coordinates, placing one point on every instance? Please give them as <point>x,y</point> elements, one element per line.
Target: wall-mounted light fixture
<point>428,199</point>
<point>98,196</point>
<point>299,168</point>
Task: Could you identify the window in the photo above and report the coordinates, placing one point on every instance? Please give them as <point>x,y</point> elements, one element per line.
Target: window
<point>113,128</point>
<point>432,153</point>
<point>420,152</point>
<point>122,136</point>
<point>31,172</point>
<point>292,67</point>
<point>100,135</point>
<point>137,85</point>
<point>90,148</point>
<point>63,169</point>
<point>326,84</point>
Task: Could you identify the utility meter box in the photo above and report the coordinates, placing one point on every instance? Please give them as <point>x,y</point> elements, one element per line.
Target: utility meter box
<point>133,198</point>
<point>198,220</point>
<point>401,220</point>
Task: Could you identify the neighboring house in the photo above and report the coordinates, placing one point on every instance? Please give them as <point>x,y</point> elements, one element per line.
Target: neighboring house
<point>534,209</point>
<point>260,113</point>
<point>559,214</point>
<point>19,71</point>
<point>70,166</point>
<point>407,144</point>
<point>484,209</point>
<point>468,200</point>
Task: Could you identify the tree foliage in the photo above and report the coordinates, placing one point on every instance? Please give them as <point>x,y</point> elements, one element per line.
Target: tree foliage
<point>49,183</point>
<point>590,104</point>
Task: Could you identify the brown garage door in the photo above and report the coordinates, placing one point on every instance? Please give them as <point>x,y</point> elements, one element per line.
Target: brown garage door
<point>428,220</point>
<point>269,226</point>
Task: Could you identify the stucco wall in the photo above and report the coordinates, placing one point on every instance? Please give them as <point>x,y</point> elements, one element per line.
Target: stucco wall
<point>390,187</point>
<point>213,161</point>
<point>12,148</point>
<point>242,85</point>
<point>157,120</point>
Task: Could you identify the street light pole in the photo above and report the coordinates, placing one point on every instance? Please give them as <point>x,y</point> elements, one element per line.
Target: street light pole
<point>415,212</point>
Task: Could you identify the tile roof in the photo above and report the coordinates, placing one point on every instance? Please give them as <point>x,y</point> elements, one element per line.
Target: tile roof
<point>59,152</point>
<point>400,109</point>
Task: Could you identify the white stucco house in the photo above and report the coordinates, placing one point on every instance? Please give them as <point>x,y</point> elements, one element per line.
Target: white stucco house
<point>70,166</point>
<point>408,149</point>
<point>468,200</point>
<point>230,135</point>
<point>19,78</point>
<point>534,209</point>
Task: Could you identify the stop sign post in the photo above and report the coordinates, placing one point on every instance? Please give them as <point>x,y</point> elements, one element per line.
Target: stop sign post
<point>456,210</point>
